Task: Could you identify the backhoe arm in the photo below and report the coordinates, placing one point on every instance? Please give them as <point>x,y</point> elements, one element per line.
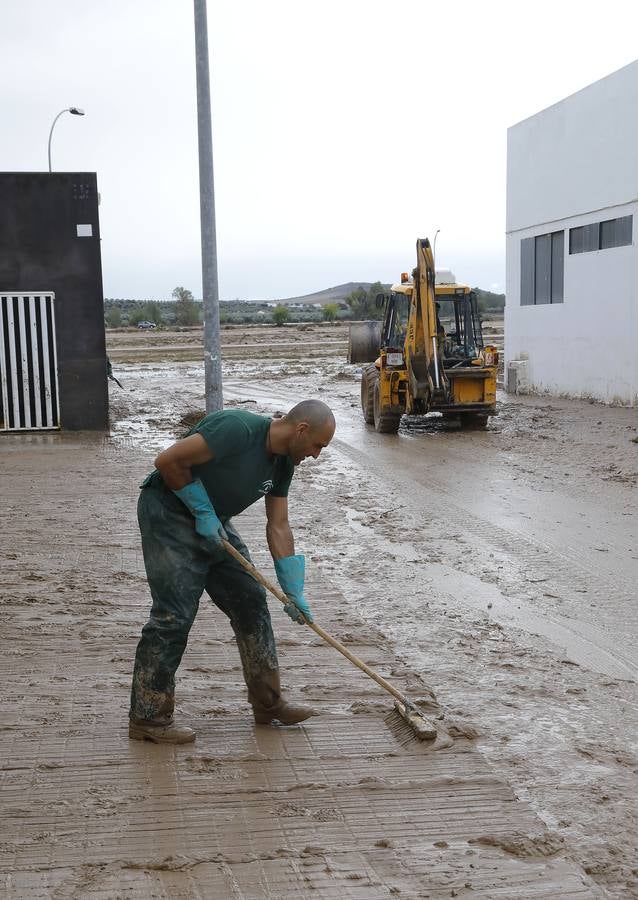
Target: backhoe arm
<point>422,351</point>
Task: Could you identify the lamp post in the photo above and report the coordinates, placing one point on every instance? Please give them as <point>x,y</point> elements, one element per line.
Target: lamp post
<point>434,252</point>
<point>210,287</point>
<point>74,112</point>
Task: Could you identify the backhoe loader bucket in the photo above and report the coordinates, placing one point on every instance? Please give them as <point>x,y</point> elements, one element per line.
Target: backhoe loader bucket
<point>363,341</point>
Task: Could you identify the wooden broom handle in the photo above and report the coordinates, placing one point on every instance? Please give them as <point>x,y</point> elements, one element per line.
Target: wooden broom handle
<point>279,594</point>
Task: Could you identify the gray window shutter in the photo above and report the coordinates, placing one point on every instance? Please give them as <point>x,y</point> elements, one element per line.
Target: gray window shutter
<point>615,232</point>
<point>527,272</point>
<point>543,268</point>
<point>558,254</point>
<point>608,234</point>
<point>591,237</point>
<point>576,240</point>
<point>624,230</point>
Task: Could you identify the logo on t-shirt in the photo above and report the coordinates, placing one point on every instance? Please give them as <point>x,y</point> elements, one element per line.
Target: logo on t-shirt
<point>266,487</point>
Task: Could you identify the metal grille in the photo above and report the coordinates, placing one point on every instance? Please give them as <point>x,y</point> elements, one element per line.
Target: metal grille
<point>28,362</point>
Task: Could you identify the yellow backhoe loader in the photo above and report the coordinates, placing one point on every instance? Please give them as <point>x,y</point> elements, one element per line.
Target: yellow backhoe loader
<point>429,355</point>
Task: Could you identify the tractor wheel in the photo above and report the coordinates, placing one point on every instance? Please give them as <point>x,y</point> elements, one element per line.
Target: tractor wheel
<point>369,377</point>
<point>384,423</point>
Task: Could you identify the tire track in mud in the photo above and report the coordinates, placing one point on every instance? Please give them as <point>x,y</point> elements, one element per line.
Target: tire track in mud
<point>607,650</point>
<point>576,536</point>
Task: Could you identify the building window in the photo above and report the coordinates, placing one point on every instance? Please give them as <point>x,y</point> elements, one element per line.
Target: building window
<point>601,235</point>
<point>542,266</point>
<point>616,232</point>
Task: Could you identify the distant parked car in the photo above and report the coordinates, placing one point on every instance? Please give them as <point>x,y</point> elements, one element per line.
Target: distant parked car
<point>146,325</point>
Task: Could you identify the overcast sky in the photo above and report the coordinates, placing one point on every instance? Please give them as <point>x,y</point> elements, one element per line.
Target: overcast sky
<point>342,130</point>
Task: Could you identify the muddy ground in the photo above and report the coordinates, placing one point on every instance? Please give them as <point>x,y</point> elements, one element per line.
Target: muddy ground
<point>498,567</point>
<point>503,564</point>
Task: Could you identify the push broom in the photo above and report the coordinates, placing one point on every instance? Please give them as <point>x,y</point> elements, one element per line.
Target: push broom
<point>423,727</point>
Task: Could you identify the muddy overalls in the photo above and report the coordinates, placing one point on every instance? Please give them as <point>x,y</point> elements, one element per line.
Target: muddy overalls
<point>181,565</point>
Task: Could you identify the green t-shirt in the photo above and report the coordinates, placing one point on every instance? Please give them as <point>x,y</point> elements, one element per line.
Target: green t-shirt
<point>241,471</point>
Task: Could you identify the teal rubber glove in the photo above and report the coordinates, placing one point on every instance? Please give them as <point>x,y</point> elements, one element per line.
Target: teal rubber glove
<point>207,523</point>
<point>290,574</point>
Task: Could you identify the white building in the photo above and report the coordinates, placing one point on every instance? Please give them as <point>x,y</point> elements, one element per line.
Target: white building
<point>571,317</point>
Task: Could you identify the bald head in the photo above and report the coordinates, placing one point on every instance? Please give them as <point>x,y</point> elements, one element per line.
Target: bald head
<point>314,413</point>
<point>305,431</point>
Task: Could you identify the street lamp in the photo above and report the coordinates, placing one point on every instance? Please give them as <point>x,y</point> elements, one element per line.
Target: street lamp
<point>75,111</point>
<point>434,251</point>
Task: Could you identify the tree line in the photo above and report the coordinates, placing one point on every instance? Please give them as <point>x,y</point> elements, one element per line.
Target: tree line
<point>185,311</point>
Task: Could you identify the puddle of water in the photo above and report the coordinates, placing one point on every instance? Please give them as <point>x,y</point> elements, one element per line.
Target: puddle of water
<point>581,642</point>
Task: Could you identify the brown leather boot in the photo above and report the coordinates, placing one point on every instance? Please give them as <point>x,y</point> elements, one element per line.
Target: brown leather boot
<point>264,694</point>
<point>160,732</point>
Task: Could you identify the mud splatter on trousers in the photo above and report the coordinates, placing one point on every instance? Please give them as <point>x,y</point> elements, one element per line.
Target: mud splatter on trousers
<point>180,566</point>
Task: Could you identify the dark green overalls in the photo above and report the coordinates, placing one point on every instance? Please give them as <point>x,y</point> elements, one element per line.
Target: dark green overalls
<point>181,565</point>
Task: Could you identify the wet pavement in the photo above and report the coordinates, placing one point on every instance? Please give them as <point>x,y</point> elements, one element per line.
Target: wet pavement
<point>348,805</point>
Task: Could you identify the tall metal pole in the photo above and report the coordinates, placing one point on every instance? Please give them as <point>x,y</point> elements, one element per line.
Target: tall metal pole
<point>51,134</point>
<point>210,288</point>
<point>434,251</point>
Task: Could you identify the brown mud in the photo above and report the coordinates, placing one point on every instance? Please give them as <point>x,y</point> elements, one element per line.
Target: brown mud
<point>495,569</point>
<point>504,560</point>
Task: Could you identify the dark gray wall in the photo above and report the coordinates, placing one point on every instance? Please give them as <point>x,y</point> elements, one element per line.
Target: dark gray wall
<point>40,251</point>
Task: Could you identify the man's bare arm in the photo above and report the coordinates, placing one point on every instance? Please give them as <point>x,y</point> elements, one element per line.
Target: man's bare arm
<point>278,532</point>
<point>174,464</point>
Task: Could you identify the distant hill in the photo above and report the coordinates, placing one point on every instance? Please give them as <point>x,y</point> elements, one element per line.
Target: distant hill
<point>337,294</point>
<point>331,295</point>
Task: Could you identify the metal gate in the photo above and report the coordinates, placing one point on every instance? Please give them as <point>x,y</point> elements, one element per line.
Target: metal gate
<point>28,362</point>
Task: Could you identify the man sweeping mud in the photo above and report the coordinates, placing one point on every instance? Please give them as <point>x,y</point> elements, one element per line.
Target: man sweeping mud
<point>227,462</point>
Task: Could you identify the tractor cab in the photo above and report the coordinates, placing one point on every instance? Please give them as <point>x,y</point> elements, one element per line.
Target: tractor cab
<point>460,337</point>
<point>394,328</point>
